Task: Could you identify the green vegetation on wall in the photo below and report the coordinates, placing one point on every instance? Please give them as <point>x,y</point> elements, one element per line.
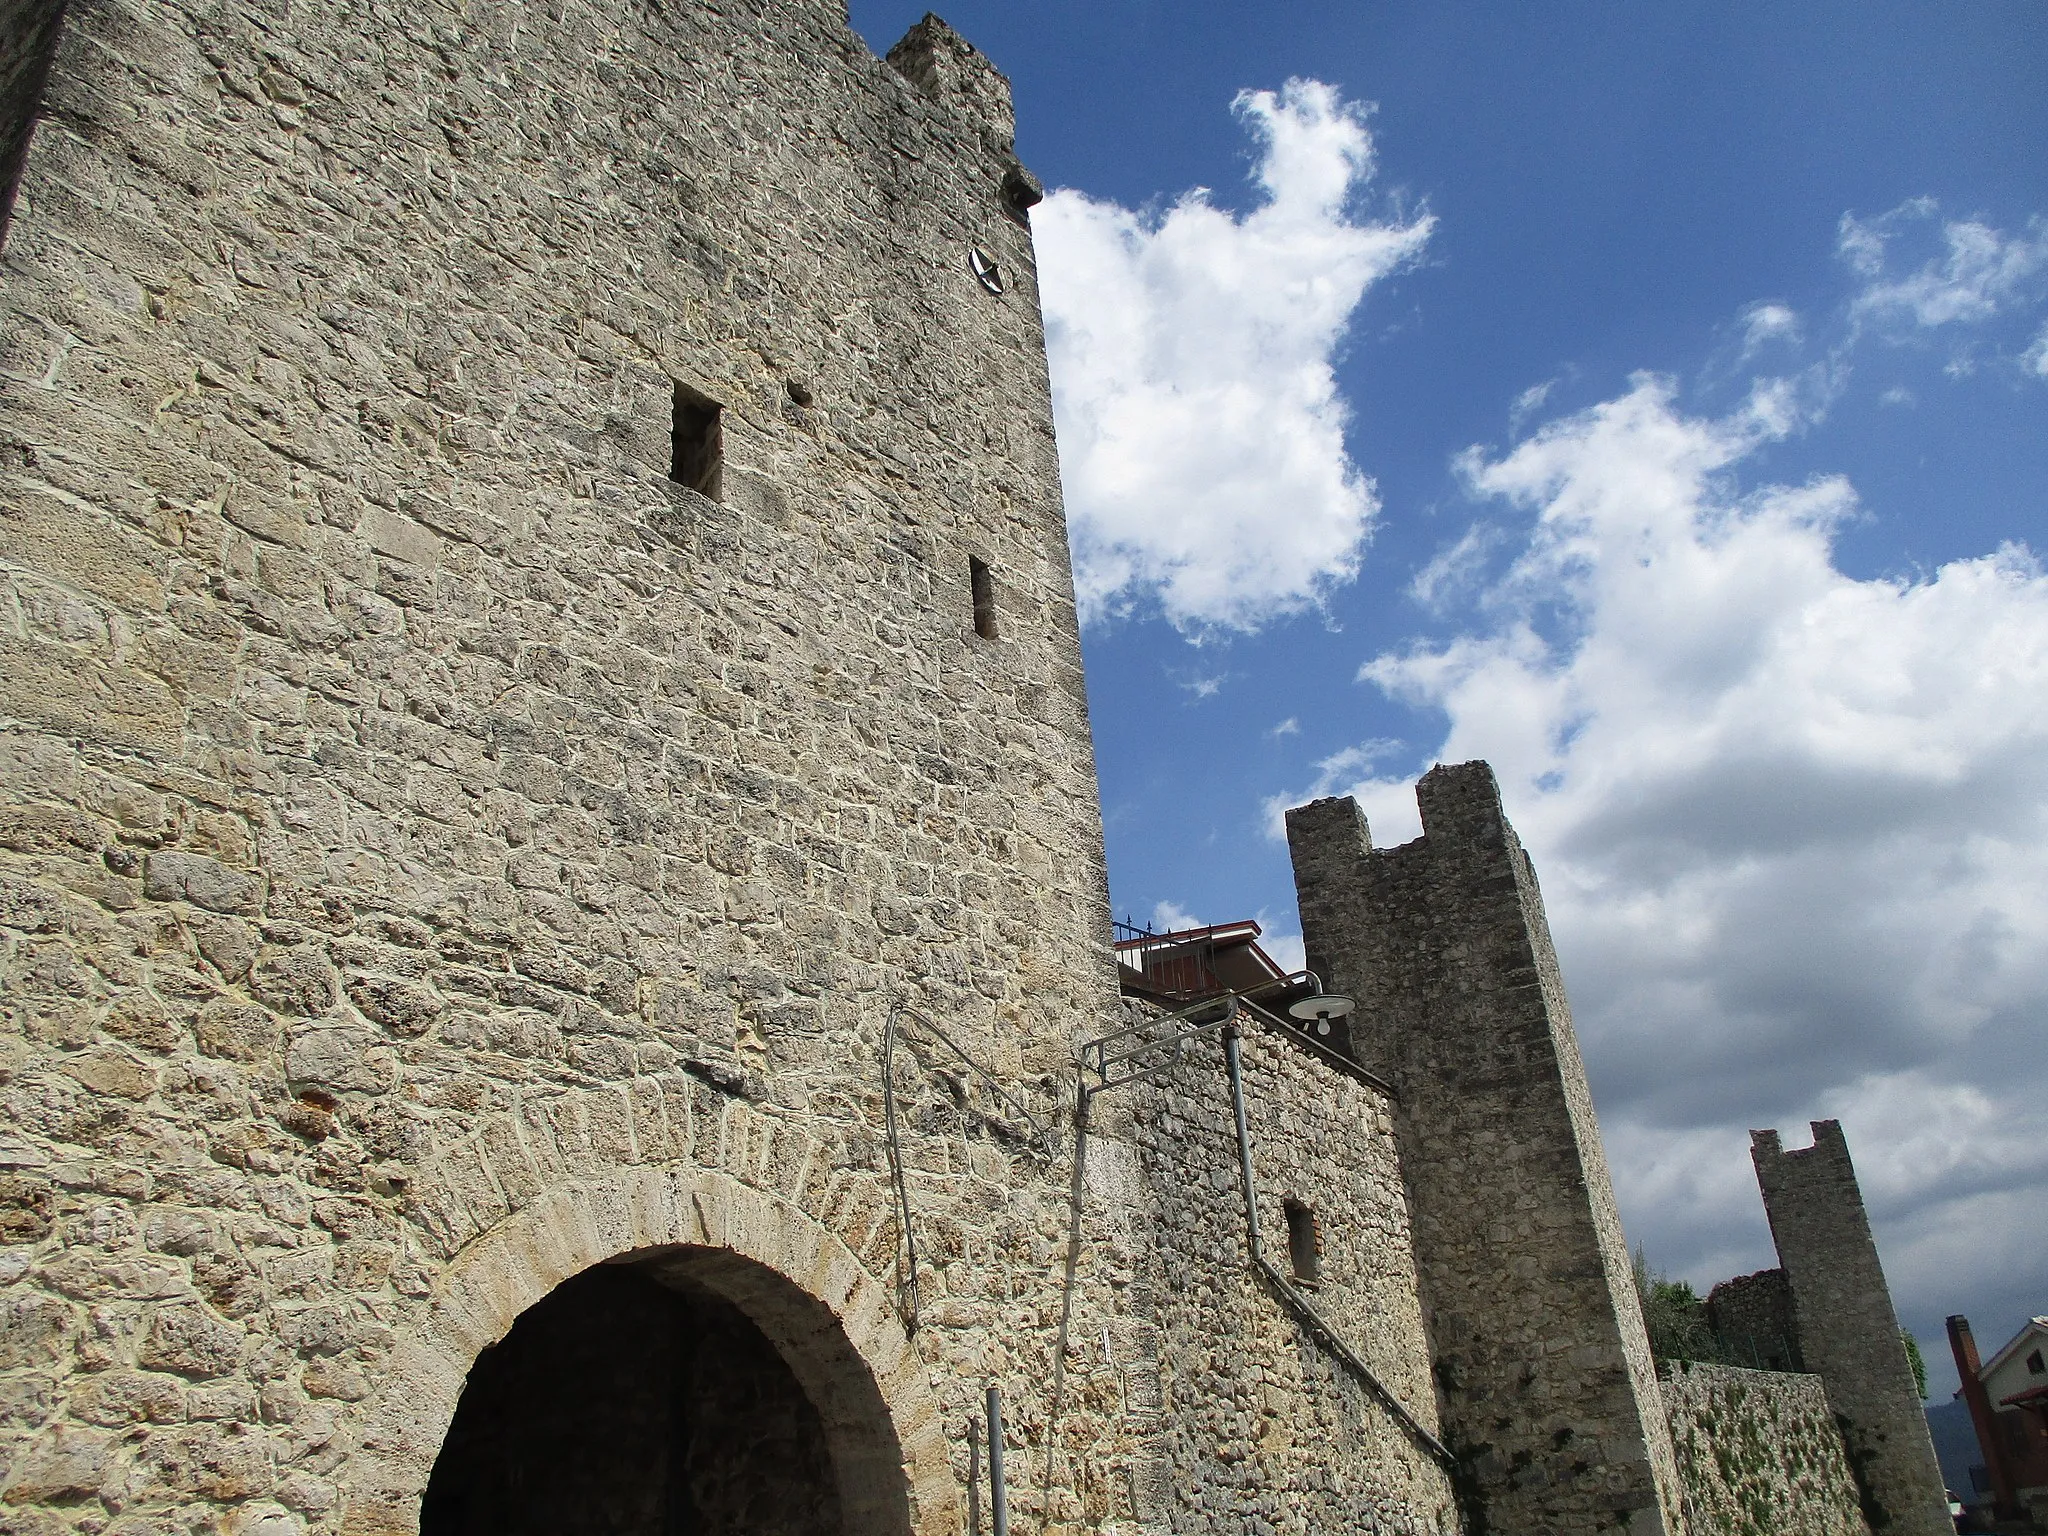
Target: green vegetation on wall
<point>1913,1359</point>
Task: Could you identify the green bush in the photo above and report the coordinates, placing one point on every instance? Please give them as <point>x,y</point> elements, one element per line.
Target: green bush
<point>1675,1317</point>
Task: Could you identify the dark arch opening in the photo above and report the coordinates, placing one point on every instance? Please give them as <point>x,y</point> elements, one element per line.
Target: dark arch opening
<point>688,1392</point>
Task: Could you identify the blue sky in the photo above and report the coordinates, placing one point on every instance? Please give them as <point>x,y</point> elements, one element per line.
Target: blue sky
<point>1649,399</point>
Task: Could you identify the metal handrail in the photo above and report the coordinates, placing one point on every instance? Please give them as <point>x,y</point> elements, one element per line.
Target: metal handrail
<point>1133,1053</point>
<point>907,1294</point>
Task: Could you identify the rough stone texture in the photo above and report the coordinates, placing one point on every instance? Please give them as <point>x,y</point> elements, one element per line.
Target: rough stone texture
<point>1549,1394</point>
<point>1260,1427</point>
<point>417,805</point>
<point>1753,1318</point>
<point>1848,1333</point>
<point>440,854</point>
<point>1759,1453</point>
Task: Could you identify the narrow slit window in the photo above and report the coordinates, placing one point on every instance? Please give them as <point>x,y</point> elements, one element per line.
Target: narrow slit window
<point>983,586</point>
<point>1304,1244</point>
<point>698,443</point>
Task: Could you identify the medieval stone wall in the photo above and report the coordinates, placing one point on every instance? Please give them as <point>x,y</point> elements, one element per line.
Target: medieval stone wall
<point>1759,1453</point>
<point>1550,1397</point>
<point>1848,1333</point>
<point>495,706</point>
<point>419,809</point>
<point>1753,1319</point>
<point>441,852</point>
<point>1260,1427</point>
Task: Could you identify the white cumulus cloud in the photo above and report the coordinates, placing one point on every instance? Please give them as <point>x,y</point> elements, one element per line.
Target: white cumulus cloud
<point>2037,354</point>
<point>1792,827</point>
<point>1201,430</point>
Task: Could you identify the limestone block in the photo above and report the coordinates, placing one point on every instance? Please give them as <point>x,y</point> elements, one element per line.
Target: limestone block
<point>190,1340</point>
<point>339,1059</point>
<point>205,882</point>
<point>61,1465</point>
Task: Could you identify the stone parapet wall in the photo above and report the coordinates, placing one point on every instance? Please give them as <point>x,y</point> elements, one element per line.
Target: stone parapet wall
<point>1753,1319</point>
<point>1260,1426</point>
<point>1759,1453</point>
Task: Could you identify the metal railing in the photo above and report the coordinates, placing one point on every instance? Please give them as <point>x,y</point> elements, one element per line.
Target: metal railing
<point>907,1294</point>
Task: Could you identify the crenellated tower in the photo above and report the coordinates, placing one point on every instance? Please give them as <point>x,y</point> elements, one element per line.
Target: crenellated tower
<point>1848,1332</point>
<point>1543,1367</point>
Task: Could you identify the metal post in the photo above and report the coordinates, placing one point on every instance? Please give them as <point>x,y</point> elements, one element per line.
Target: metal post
<point>998,1491</point>
<point>1244,1142</point>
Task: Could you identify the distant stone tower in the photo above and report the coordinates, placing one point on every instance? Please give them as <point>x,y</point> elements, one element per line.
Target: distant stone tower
<point>1848,1333</point>
<point>1549,1394</point>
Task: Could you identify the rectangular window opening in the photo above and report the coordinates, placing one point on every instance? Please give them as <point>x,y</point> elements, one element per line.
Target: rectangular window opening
<point>983,585</point>
<point>697,441</point>
<point>1304,1243</point>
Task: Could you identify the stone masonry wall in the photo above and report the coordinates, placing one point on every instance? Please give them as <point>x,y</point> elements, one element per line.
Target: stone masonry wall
<point>1848,1333</point>
<point>1258,1428</point>
<point>434,843</point>
<point>1759,1453</point>
<point>1752,1317</point>
<point>1549,1394</point>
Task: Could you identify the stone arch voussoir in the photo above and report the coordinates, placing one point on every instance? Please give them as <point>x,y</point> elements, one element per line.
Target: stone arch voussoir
<point>793,1275</point>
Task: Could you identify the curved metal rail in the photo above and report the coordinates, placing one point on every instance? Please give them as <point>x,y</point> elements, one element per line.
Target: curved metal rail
<point>907,1296</point>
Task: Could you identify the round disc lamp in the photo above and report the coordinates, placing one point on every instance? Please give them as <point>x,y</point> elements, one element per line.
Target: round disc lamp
<point>1320,1009</point>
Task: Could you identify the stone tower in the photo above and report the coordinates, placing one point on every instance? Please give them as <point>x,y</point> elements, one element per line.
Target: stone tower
<point>1848,1333</point>
<point>1543,1367</point>
<point>534,607</point>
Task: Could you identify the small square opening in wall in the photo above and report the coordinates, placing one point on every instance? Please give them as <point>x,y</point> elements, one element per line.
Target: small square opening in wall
<point>697,442</point>
<point>1304,1242</point>
<point>982,584</point>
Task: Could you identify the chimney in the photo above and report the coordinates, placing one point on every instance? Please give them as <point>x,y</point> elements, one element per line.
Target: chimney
<point>1963,1345</point>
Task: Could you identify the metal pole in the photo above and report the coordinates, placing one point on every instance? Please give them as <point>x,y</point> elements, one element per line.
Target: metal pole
<point>998,1491</point>
<point>1059,1350</point>
<point>1244,1139</point>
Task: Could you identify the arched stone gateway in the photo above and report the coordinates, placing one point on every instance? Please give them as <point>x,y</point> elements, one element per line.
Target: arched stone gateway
<point>733,1302</point>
